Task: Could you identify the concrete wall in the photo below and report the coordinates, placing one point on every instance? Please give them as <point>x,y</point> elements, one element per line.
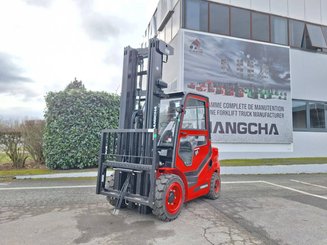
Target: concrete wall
<point>314,11</point>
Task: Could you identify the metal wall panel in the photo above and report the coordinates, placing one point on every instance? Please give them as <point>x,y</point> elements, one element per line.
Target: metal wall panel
<point>222,1</point>
<point>296,9</point>
<point>312,11</point>
<point>308,75</point>
<point>323,11</point>
<point>279,7</point>
<point>241,3</point>
<point>261,5</point>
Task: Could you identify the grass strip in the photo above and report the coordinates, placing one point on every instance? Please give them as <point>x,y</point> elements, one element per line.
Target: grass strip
<point>15,172</point>
<point>273,161</point>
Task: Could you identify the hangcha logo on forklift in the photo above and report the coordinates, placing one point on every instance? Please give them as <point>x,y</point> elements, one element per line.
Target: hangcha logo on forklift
<point>195,47</point>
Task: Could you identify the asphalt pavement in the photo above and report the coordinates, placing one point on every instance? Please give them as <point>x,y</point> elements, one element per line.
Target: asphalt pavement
<point>253,209</point>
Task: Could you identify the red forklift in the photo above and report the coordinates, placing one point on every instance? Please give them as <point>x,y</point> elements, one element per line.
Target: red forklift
<point>161,155</point>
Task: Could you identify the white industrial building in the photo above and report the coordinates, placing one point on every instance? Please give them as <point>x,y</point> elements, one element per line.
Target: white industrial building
<point>262,63</point>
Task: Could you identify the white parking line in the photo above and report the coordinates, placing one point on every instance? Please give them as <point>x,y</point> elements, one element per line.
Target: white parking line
<point>306,183</point>
<point>295,190</point>
<point>242,182</point>
<point>46,187</point>
<point>276,185</point>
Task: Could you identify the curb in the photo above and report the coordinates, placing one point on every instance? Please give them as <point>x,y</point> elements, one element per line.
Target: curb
<point>244,170</point>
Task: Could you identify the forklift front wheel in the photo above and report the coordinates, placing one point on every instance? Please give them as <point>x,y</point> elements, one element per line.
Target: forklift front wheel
<point>215,186</point>
<point>169,197</point>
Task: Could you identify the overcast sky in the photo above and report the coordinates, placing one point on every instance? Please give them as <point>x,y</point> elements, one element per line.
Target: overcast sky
<point>45,44</point>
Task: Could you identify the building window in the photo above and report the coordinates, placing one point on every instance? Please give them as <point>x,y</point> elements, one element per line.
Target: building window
<point>260,27</point>
<point>313,37</point>
<point>309,115</point>
<point>196,16</point>
<point>296,30</point>
<point>306,36</point>
<point>299,114</point>
<point>219,19</point>
<point>204,8</point>
<point>240,23</point>
<point>324,32</point>
<point>279,30</point>
<point>208,16</point>
<point>318,114</point>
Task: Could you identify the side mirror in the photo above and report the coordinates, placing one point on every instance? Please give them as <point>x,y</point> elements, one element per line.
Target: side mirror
<point>180,109</point>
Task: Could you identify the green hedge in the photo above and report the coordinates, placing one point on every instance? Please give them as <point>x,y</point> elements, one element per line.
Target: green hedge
<point>74,119</point>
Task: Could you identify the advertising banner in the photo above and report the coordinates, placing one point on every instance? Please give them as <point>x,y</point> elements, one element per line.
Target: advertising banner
<point>248,85</point>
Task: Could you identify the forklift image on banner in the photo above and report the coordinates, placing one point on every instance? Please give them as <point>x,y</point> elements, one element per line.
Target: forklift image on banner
<point>161,154</point>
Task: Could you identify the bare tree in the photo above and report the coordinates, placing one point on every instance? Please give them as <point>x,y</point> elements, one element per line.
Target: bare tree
<point>11,140</point>
<point>33,139</point>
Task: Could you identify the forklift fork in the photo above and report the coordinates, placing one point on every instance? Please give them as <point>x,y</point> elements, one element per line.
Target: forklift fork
<point>122,194</point>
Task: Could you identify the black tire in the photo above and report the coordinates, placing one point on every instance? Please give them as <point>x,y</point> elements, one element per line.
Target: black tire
<point>215,186</point>
<point>112,200</point>
<point>169,197</point>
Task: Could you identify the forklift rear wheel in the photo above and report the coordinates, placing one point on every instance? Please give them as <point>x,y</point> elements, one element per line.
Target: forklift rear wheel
<point>215,186</point>
<point>169,197</point>
<point>112,200</point>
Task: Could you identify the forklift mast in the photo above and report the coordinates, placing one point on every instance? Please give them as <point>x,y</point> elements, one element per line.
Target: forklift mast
<point>133,151</point>
<point>134,95</point>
